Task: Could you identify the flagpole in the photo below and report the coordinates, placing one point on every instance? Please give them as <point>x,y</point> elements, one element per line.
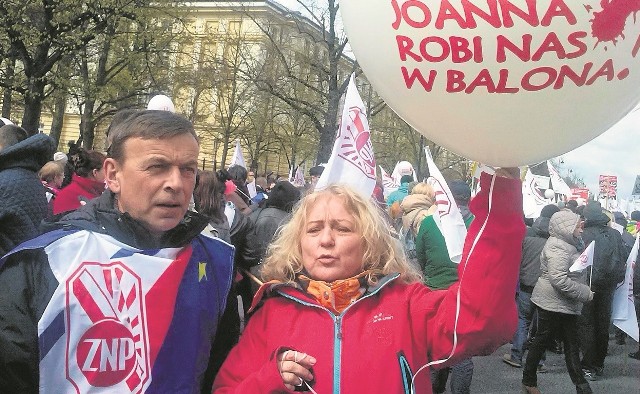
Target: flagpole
<point>590,275</point>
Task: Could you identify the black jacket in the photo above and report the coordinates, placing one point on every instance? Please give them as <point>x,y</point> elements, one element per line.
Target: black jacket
<point>23,203</point>
<point>532,246</point>
<point>28,284</point>
<point>609,254</point>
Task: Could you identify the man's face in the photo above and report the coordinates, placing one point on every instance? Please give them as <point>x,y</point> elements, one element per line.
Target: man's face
<point>251,176</point>
<point>155,180</point>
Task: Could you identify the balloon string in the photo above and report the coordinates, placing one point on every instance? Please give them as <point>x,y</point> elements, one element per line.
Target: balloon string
<point>464,267</point>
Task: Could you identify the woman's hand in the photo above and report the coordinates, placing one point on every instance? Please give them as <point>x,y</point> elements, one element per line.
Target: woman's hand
<point>508,172</point>
<point>295,368</point>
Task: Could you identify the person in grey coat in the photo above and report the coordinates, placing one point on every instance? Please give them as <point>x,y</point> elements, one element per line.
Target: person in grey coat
<point>558,296</point>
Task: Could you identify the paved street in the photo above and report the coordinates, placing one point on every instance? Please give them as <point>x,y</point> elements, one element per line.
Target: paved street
<point>621,375</point>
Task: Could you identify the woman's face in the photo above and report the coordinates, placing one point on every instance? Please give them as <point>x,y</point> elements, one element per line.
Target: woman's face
<point>331,247</point>
<point>579,228</point>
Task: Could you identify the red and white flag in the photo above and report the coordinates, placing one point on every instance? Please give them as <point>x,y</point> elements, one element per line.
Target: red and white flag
<point>624,314</point>
<point>449,219</point>
<point>389,185</point>
<point>352,161</point>
<point>584,260</point>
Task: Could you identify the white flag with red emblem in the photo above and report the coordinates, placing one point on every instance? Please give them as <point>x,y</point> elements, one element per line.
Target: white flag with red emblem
<point>352,161</point>
<point>584,260</point>
<point>388,183</point>
<point>449,219</point>
<point>624,313</point>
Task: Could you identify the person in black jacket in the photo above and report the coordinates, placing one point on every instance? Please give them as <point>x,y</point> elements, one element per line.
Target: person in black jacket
<point>532,246</point>
<point>210,201</point>
<point>609,267</point>
<point>23,201</point>
<point>636,296</point>
<point>127,294</point>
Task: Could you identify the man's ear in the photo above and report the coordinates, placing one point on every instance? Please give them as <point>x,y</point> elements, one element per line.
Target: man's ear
<point>111,170</point>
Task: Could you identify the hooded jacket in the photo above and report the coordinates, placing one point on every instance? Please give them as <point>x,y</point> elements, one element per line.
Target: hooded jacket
<point>77,193</point>
<point>416,207</point>
<point>557,289</point>
<point>380,340</point>
<point>23,203</point>
<point>170,320</point>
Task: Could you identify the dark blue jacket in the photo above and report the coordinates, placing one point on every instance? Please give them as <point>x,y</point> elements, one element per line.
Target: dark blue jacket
<point>23,203</point>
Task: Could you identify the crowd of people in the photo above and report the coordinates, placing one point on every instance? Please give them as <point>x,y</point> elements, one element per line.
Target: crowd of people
<point>136,271</point>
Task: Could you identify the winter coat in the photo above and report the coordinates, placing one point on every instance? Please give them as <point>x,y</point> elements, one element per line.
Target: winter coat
<point>23,204</point>
<point>77,193</point>
<point>377,342</point>
<point>431,250</point>
<point>180,308</point>
<point>266,222</point>
<point>398,195</point>
<point>609,254</point>
<point>532,247</point>
<point>415,208</point>
<point>557,289</point>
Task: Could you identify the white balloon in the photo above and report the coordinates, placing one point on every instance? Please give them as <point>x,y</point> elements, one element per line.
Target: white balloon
<point>549,193</point>
<point>161,102</point>
<point>507,82</point>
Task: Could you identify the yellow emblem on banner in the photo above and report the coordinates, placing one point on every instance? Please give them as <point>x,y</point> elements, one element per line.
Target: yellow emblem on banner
<point>202,271</point>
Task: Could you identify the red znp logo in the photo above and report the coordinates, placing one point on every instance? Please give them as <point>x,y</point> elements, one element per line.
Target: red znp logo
<point>106,353</point>
<point>356,145</point>
<point>442,199</point>
<point>107,332</point>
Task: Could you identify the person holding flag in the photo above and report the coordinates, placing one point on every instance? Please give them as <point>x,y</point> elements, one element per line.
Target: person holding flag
<point>341,300</point>
<point>127,295</point>
<point>559,295</point>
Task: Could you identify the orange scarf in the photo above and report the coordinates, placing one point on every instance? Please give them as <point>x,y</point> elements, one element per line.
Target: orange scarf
<point>336,296</point>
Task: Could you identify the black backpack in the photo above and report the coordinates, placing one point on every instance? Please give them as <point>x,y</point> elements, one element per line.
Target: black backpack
<point>609,260</point>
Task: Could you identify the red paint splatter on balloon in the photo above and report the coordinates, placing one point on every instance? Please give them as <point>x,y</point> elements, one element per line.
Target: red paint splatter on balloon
<point>636,48</point>
<point>609,23</point>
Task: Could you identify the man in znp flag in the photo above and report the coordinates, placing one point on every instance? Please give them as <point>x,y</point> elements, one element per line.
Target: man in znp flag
<point>127,295</point>
<point>352,161</point>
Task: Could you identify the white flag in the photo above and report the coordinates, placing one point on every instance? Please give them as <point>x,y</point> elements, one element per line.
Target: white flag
<point>624,314</point>
<point>237,158</point>
<point>533,189</point>
<point>449,219</point>
<point>298,178</point>
<point>352,161</point>
<point>584,260</point>
<point>557,183</point>
<point>388,183</point>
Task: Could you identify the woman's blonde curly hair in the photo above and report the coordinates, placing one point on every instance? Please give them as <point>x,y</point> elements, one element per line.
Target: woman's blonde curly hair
<point>383,253</point>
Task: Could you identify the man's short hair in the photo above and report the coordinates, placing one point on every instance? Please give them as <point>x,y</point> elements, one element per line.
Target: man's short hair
<point>118,118</point>
<point>148,124</point>
<point>11,134</point>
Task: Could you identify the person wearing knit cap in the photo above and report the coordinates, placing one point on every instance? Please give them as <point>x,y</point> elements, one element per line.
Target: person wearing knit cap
<point>60,158</point>
<point>608,269</point>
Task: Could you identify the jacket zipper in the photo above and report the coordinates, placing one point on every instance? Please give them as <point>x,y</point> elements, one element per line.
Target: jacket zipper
<point>337,328</point>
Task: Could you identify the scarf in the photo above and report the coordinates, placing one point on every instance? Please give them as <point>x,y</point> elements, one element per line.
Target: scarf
<point>338,295</point>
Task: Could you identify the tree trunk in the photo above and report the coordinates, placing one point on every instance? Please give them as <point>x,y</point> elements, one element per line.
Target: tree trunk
<point>7,95</point>
<point>57,123</point>
<point>33,105</point>
<point>87,124</point>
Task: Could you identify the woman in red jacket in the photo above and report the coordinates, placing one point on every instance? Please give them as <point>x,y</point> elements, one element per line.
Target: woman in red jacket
<point>87,182</point>
<point>345,313</point>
